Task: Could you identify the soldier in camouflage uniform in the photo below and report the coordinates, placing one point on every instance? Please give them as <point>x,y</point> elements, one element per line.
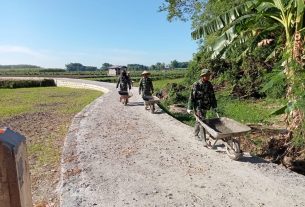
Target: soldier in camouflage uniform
<point>202,98</point>
<point>124,83</point>
<point>146,86</point>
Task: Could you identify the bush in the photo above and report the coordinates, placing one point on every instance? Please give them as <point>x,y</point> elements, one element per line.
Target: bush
<point>176,94</point>
<point>47,83</point>
<point>26,83</point>
<point>299,136</point>
<point>249,79</point>
<point>275,85</point>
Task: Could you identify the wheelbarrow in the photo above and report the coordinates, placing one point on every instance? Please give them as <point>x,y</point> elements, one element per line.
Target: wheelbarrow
<point>124,96</point>
<point>150,101</point>
<point>227,130</point>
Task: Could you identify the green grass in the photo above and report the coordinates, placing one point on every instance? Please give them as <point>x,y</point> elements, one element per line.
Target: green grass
<point>248,111</point>
<point>17,101</point>
<point>45,132</point>
<point>156,75</point>
<point>159,84</point>
<point>44,152</point>
<point>253,112</point>
<point>244,111</point>
<point>99,75</point>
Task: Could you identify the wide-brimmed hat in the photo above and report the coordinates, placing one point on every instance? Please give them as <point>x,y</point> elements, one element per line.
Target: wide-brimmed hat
<point>205,72</point>
<point>145,72</point>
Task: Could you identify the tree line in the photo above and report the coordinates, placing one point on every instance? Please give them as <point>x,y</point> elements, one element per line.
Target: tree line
<point>158,66</point>
<point>23,66</point>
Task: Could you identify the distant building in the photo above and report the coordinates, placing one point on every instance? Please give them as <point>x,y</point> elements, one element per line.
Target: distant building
<point>167,67</point>
<point>115,70</point>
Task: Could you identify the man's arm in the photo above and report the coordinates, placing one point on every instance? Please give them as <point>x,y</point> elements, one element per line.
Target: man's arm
<point>140,86</point>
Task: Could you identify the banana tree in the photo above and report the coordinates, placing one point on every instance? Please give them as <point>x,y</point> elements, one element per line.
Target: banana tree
<point>291,17</point>
<point>288,16</point>
<point>240,24</point>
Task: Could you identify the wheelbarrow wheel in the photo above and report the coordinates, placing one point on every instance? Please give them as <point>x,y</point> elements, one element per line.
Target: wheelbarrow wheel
<point>210,143</point>
<point>233,149</point>
<point>207,141</point>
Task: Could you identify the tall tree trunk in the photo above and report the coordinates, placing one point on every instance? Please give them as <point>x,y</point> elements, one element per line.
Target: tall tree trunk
<point>298,49</point>
<point>295,118</point>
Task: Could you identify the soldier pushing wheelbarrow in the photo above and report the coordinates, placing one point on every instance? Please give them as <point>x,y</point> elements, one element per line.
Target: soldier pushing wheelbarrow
<point>202,99</point>
<point>146,88</point>
<point>125,87</point>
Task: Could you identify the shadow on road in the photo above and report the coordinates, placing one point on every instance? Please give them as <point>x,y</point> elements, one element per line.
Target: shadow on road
<point>157,111</point>
<point>220,148</point>
<point>252,159</point>
<point>135,104</point>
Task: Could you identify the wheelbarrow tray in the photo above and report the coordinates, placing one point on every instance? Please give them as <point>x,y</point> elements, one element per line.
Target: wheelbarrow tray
<point>152,100</point>
<point>223,127</point>
<point>127,95</point>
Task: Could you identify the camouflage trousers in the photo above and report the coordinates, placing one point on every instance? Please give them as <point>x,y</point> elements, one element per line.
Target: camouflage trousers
<point>199,131</point>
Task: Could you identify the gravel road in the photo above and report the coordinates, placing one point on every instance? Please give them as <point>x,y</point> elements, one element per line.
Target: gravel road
<point>117,155</point>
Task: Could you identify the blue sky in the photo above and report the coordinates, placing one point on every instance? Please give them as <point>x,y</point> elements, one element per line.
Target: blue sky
<point>52,33</point>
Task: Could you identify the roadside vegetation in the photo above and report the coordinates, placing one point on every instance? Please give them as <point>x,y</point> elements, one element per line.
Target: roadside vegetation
<point>155,75</point>
<point>59,73</point>
<point>26,83</point>
<point>43,116</point>
<point>255,50</point>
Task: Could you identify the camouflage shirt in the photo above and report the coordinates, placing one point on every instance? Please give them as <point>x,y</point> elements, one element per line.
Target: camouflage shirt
<point>202,96</point>
<point>124,83</point>
<point>146,87</point>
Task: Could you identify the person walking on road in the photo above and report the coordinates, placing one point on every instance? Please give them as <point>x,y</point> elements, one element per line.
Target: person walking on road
<point>202,99</point>
<point>124,83</point>
<point>146,86</point>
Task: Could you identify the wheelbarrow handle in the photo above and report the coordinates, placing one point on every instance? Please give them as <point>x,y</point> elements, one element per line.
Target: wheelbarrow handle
<point>214,110</point>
